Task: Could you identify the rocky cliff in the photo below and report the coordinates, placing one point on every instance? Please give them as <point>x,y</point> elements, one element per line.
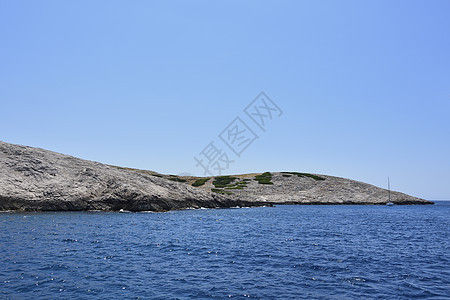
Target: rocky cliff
<point>37,179</point>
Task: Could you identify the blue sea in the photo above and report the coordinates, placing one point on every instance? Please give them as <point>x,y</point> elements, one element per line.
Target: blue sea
<point>283,252</point>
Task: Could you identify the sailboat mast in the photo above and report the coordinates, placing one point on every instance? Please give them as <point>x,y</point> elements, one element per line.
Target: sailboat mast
<point>389,189</point>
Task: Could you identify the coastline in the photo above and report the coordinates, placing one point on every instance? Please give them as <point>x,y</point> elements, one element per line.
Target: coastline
<point>33,179</point>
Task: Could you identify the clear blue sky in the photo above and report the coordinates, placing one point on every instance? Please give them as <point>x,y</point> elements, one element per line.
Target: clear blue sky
<point>364,85</point>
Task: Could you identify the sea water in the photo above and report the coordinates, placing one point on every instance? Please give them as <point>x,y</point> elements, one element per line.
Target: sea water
<point>284,252</point>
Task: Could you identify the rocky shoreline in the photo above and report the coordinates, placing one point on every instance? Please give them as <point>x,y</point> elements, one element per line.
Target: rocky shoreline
<point>33,179</point>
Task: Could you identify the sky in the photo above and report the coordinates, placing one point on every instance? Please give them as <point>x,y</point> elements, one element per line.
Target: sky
<point>362,87</point>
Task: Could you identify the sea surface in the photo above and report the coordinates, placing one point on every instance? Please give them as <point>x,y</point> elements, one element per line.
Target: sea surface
<point>284,252</point>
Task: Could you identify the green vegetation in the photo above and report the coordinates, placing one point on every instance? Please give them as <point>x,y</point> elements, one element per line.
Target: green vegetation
<point>177,179</point>
<point>286,175</point>
<point>264,178</point>
<point>220,191</point>
<point>227,182</point>
<point>223,181</point>
<point>200,181</point>
<point>315,177</point>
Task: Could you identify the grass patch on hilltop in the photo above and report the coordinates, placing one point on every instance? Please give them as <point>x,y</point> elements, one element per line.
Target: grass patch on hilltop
<point>177,179</point>
<point>264,178</point>
<point>315,177</point>
<point>200,182</point>
<point>223,181</point>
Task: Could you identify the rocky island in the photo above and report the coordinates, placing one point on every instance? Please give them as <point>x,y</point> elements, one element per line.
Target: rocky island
<point>33,179</point>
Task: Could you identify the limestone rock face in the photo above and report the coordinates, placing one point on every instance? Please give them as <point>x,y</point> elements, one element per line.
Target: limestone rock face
<point>37,179</point>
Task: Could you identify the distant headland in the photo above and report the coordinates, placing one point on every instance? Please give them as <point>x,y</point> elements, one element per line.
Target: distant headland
<point>34,179</point>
